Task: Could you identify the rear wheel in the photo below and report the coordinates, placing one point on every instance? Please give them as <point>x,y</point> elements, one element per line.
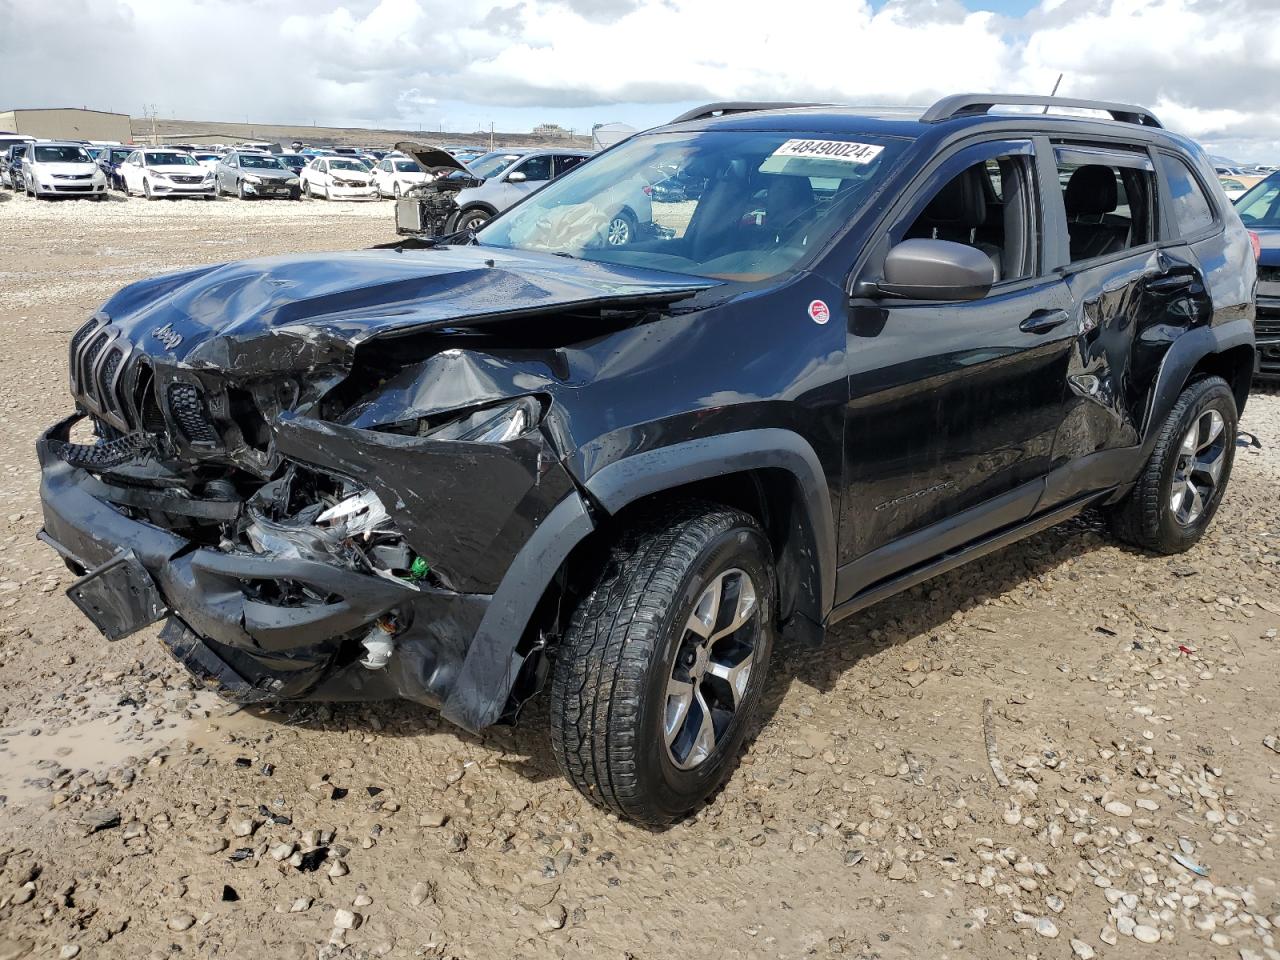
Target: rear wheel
<point>1179,490</point>
<point>621,230</point>
<point>662,666</point>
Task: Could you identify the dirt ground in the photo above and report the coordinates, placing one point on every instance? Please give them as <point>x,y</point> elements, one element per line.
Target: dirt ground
<point>1133,704</point>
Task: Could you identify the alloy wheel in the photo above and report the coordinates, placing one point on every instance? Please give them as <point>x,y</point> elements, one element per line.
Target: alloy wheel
<point>712,668</point>
<point>619,232</point>
<point>1199,467</point>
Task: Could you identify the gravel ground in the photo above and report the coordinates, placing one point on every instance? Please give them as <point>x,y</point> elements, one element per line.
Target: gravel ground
<point>1132,707</point>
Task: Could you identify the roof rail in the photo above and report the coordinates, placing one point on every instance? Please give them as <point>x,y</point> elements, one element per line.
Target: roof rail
<point>724,108</point>
<point>971,104</point>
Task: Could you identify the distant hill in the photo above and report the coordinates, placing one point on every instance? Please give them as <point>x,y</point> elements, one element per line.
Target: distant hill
<point>215,131</point>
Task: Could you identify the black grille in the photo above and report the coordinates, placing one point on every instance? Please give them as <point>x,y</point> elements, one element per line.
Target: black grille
<point>187,408</point>
<point>1268,274</point>
<point>179,178</point>
<point>107,379</point>
<point>90,355</point>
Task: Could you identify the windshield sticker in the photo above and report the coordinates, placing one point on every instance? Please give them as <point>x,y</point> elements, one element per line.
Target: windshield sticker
<point>841,150</point>
<point>819,312</point>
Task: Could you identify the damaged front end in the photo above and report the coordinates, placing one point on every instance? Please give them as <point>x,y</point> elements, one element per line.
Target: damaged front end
<point>351,553</point>
<point>425,209</point>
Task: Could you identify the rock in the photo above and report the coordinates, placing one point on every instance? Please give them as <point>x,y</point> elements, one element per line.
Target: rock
<point>1109,936</point>
<point>1118,809</point>
<point>362,900</point>
<point>1144,934</point>
<point>1046,927</point>
<point>338,869</point>
<point>69,951</point>
<point>300,905</point>
<point>421,893</point>
<point>282,851</point>
<point>898,870</point>
<point>347,920</point>
<point>1082,949</point>
<point>243,828</point>
<point>553,918</point>
<point>433,819</point>
<point>457,842</point>
<point>181,921</point>
<point>517,804</point>
<point>96,820</point>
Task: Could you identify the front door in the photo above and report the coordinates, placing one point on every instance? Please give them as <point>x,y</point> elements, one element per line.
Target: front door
<point>954,406</point>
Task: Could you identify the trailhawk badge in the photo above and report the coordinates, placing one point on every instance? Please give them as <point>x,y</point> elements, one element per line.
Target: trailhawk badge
<point>171,338</point>
<point>819,312</point>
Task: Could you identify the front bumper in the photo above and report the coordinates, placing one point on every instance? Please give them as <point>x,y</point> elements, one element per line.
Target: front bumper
<point>70,188</point>
<point>483,515</point>
<point>337,192</point>
<point>1267,332</point>
<point>278,190</point>
<point>162,189</point>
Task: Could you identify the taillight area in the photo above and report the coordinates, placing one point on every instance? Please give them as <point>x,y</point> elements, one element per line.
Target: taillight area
<point>647,191</point>
<point>1257,245</point>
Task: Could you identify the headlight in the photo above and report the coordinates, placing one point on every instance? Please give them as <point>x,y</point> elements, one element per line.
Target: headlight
<point>291,182</point>
<point>156,173</point>
<point>250,178</point>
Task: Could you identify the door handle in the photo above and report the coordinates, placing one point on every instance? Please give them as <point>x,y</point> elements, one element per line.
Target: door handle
<point>1169,282</point>
<point>1042,321</point>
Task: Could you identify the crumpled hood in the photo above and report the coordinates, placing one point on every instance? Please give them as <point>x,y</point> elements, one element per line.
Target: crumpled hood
<point>285,312</point>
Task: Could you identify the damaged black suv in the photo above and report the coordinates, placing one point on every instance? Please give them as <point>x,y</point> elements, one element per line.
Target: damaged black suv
<point>849,353</point>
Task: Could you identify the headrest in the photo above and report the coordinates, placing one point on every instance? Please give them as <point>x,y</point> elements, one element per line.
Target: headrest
<point>962,202</point>
<point>787,196</point>
<point>1091,191</point>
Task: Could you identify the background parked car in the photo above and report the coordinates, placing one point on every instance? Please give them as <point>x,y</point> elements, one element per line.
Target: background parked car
<point>110,161</point>
<point>252,174</point>
<point>1233,188</point>
<point>394,174</point>
<point>513,178</point>
<point>165,172</point>
<point>61,168</point>
<point>11,164</point>
<point>1259,209</point>
<point>207,159</point>
<point>294,161</point>
<point>336,178</point>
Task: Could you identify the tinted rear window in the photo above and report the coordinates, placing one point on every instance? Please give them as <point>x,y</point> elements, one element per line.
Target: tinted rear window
<point>1191,209</point>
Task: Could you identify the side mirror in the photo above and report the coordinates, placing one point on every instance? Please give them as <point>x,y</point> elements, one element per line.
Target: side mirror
<point>515,176</point>
<point>936,270</point>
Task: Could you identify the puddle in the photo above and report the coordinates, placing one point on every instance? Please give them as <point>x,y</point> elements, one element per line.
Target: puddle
<point>29,760</point>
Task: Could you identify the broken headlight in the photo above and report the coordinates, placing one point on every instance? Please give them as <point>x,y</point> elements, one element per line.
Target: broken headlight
<point>492,424</point>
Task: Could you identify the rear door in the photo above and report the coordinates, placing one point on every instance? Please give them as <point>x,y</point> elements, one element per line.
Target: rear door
<point>1136,286</point>
<point>954,406</point>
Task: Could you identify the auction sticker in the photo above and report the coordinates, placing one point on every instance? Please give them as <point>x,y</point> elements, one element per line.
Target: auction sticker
<point>819,312</point>
<point>841,150</point>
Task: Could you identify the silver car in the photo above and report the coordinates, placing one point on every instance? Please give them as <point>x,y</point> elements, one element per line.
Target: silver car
<point>463,196</point>
<point>249,175</point>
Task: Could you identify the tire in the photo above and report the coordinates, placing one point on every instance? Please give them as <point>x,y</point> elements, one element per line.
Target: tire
<point>240,190</point>
<point>146,189</point>
<point>306,191</point>
<point>621,230</point>
<point>472,219</point>
<point>628,647</point>
<point>395,190</point>
<point>1149,516</point>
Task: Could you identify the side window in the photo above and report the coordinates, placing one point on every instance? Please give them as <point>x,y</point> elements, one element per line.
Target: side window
<point>991,206</point>
<point>536,168</point>
<point>1109,208</point>
<point>565,164</point>
<point>1191,209</point>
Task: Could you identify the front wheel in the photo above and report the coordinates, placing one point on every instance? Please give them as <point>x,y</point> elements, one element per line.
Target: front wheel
<point>471,220</point>
<point>661,669</point>
<point>621,230</point>
<point>1180,488</point>
<point>146,189</point>
<point>240,191</point>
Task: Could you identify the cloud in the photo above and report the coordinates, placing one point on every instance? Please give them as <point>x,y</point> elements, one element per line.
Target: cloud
<point>1210,67</point>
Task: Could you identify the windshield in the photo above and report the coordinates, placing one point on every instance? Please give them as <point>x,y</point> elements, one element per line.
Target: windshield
<point>407,166</point>
<point>67,154</point>
<point>728,204</point>
<point>492,164</point>
<point>1260,207</point>
<point>338,163</point>
<point>170,160</point>
<point>119,156</point>
<point>255,162</point>
<point>201,157</point>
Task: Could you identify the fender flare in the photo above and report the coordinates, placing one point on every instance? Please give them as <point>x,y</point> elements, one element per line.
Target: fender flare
<point>627,480</point>
<point>489,672</point>
<point>1181,358</point>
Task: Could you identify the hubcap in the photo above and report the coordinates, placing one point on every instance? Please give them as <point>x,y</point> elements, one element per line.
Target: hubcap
<point>1199,468</point>
<point>712,668</point>
<point>619,232</point>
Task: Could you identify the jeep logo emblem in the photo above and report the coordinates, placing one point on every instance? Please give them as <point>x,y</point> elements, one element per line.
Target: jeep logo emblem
<point>170,337</point>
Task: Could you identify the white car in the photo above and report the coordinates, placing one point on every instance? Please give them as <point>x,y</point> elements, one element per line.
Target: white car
<point>1233,188</point>
<point>395,174</point>
<point>208,160</point>
<point>157,172</point>
<point>336,178</point>
<point>56,169</point>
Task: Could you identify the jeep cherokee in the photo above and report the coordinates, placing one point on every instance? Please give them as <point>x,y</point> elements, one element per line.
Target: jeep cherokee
<point>869,349</point>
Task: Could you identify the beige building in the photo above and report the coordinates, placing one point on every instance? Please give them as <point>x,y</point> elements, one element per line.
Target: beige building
<point>68,123</point>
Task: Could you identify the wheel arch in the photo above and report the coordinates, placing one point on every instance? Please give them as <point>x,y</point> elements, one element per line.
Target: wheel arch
<point>772,474</point>
<point>1226,350</point>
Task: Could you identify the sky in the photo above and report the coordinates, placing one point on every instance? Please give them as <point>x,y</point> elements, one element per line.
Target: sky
<point>1208,68</point>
